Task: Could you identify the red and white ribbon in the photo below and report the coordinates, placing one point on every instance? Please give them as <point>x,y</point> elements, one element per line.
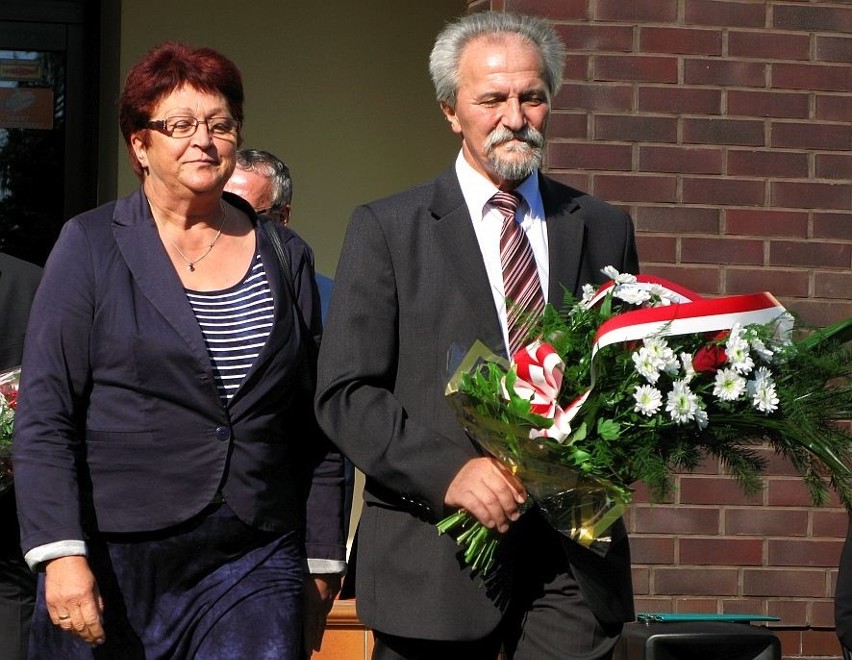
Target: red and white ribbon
<point>697,316</point>
<point>540,368</point>
<point>700,316</point>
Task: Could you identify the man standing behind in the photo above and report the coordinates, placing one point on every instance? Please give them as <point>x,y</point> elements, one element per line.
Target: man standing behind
<point>420,272</point>
<point>843,597</point>
<point>263,180</point>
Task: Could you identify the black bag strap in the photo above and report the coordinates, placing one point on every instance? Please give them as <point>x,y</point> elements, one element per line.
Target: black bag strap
<point>284,264</point>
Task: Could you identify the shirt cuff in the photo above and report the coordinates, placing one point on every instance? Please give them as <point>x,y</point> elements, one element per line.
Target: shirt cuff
<point>55,550</point>
<point>326,566</point>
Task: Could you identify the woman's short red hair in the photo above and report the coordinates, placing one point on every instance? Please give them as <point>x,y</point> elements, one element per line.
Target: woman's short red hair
<point>166,68</point>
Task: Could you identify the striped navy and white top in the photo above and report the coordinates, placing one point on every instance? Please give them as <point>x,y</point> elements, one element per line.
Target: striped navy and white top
<point>235,323</point>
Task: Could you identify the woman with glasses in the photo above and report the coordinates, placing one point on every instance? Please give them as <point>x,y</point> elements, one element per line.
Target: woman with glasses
<point>174,493</point>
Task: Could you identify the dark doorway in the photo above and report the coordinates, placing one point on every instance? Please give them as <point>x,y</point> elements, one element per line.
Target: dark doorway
<point>48,121</point>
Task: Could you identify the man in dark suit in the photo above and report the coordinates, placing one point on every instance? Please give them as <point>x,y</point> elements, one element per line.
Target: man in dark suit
<point>264,181</point>
<point>421,272</point>
<point>843,597</point>
<point>18,282</point>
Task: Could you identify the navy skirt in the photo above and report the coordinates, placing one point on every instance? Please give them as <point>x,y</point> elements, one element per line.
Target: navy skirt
<point>210,589</point>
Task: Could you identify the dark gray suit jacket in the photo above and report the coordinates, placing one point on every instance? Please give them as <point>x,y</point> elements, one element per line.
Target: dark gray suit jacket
<point>843,595</point>
<point>120,427</point>
<point>410,285</point>
<point>18,283</point>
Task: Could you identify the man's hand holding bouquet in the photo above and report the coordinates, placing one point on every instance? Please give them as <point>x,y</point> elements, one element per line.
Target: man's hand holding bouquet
<point>640,379</point>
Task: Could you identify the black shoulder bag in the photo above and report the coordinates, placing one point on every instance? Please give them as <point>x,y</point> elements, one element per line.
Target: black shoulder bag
<point>310,342</point>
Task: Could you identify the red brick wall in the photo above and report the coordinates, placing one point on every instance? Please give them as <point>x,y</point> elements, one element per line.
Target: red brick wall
<point>723,126</point>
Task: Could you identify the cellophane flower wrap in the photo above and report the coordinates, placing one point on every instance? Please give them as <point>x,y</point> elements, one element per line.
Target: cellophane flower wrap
<point>640,379</point>
<point>9,380</point>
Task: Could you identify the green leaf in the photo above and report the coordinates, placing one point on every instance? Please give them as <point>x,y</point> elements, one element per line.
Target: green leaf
<point>608,429</point>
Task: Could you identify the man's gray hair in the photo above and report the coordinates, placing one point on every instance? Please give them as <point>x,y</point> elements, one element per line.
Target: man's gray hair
<point>267,165</point>
<point>450,43</point>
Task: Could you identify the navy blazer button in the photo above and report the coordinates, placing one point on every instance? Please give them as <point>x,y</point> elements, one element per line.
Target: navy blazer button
<point>223,433</point>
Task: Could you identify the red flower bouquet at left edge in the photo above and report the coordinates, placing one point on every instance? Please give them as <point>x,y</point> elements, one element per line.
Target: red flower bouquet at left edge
<point>641,379</point>
<point>9,380</point>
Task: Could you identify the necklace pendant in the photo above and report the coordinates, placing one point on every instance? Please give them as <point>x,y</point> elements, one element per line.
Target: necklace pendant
<point>191,267</point>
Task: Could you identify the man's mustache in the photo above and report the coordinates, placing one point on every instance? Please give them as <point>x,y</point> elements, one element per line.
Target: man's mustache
<point>528,135</point>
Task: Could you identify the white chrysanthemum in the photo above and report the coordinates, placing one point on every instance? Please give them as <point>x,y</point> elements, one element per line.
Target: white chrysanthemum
<point>589,292</point>
<point>740,358</point>
<point>763,395</point>
<point>701,418</point>
<point>736,343</point>
<point>671,365</point>
<point>729,385</point>
<point>681,403</point>
<point>761,349</point>
<point>736,350</point>
<point>618,278</point>
<point>736,332</point>
<point>783,331</point>
<point>610,272</point>
<point>761,388</point>
<point>655,344</point>
<point>649,400</point>
<point>688,369</point>
<point>646,364</point>
<point>632,295</point>
<point>672,368</point>
<point>762,374</point>
<point>663,296</point>
<point>664,357</point>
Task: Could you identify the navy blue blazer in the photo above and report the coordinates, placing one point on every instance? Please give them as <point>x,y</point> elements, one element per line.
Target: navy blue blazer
<point>411,284</point>
<point>120,427</point>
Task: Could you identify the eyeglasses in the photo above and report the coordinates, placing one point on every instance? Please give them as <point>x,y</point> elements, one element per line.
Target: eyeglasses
<point>184,127</point>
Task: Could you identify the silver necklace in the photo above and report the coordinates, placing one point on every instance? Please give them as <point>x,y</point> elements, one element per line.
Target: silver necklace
<point>190,263</point>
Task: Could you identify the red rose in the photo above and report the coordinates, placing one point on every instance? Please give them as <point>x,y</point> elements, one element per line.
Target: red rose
<point>709,358</point>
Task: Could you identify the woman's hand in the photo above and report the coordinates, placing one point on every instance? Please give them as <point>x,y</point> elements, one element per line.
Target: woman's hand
<point>318,592</point>
<point>73,600</point>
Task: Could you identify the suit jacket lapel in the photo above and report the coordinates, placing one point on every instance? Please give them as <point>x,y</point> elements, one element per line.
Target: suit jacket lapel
<point>153,272</point>
<point>455,237</point>
<point>285,321</point>
<point>565,231</point>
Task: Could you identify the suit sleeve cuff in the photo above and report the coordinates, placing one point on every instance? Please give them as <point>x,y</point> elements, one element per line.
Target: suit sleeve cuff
<point>55,550</point>
<point>326,566</point>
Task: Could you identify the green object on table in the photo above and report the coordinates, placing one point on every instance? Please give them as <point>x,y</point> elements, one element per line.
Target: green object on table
<point>664,617</point>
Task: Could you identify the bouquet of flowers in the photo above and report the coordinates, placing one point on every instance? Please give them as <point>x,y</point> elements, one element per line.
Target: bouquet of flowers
<point>642,378</point>
<point>8,401</point>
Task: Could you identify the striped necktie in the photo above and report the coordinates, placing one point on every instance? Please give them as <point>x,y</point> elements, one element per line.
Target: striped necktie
<point>521,285</point>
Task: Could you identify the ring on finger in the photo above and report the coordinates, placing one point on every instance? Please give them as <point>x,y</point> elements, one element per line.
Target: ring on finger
<point>64,617</point>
